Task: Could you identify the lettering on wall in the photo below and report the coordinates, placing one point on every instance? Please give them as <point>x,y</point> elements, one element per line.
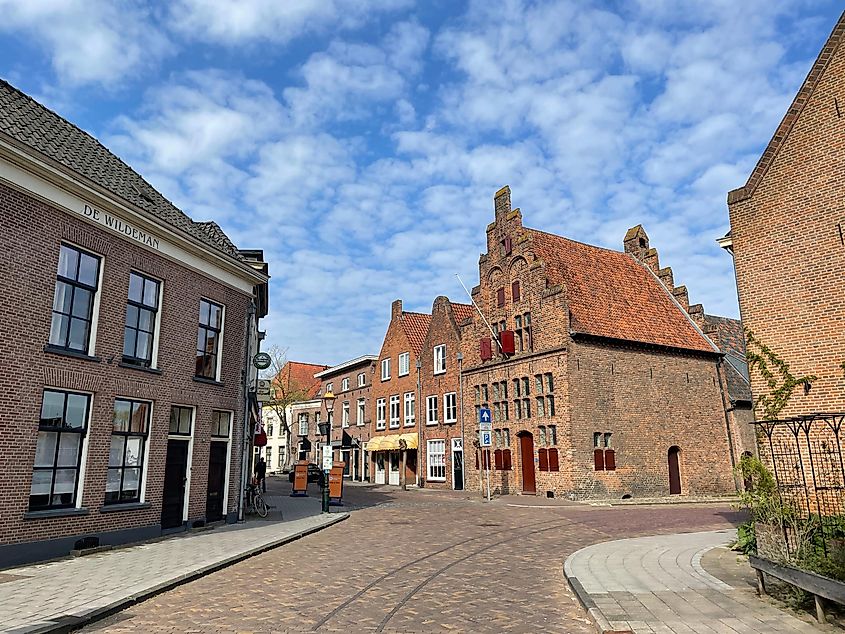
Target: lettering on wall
<point>120,226</point>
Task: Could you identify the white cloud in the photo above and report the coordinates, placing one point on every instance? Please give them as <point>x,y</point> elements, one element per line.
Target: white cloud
<point>89,41</point>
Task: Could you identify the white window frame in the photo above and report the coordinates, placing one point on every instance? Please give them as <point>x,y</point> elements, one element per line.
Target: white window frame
<point>186,498</point>
<point>432,410</point>
<point>436,460</point>
<point>394,409</point>
<point>453,397</point>
<point>344,419</point>
<point>404,363</point>
<point>361,412</point>
<point>381,413</point>
<point>329,387</point>
<point>362,379</point>
<point>303,423</point>
<point>344,385</point>
<point>219,354</point>
<point>95,300</point>
<point>228,441</point>
<point>440,359</point>
<point>410,404</point>
<point>385,369</point>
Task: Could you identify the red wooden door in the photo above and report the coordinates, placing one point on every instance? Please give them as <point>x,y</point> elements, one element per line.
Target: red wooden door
<point>674,471</point>
<point>526,445</point>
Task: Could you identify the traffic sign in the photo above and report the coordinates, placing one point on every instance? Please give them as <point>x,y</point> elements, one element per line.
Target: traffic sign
<point>328,457</point>
<point>488,426</point>
<point>486,438</point>
<point>484,415</point>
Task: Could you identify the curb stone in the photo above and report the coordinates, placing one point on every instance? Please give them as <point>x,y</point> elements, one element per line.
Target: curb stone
<point>71,622</point>
<point>600,621</point>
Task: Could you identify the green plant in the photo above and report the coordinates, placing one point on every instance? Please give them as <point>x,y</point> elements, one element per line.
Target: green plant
<point>775,371</point>
<point>746,540</point>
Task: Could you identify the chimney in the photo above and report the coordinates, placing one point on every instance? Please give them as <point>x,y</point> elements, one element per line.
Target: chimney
<point>636,242</point>
<point>396,309</point>
<point>502,201</point>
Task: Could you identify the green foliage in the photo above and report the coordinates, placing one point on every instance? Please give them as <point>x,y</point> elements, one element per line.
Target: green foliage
<point>746,541</point>
<point>775,372</point>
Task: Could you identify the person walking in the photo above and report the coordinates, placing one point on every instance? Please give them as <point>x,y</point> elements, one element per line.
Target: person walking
<point>261,474</point>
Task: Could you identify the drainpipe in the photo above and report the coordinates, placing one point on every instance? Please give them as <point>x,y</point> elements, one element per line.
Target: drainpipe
<point>247,441</point>
<point>417,411</point>
<point>461,405</point>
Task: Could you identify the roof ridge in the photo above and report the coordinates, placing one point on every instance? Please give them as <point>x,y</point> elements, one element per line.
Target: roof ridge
<point>796,107</point>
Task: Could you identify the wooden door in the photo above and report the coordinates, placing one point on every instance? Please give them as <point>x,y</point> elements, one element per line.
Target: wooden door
<point>526,446</point>
<point>674,471</point>
<point>173,497</point>
<point>457,464</point>
<point>216,482</point>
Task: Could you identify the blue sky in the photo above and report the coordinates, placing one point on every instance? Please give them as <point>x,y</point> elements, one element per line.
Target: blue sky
<point>360,143</point>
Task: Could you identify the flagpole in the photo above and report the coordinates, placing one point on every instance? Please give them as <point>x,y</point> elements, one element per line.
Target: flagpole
<point>484,319</point>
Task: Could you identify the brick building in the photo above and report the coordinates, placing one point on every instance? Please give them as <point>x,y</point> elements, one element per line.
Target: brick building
<point>351,383</point>
<point>788,238</point>
<point>395,435</point>
<point>126,328</point>
<point>600,382</point>
<point>442,435</point>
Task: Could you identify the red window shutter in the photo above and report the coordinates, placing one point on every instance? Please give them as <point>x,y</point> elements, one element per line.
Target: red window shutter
<point>497,459</point>
<point>609,460</point>
<point>515,290</point>
<point>476,460</point>
<point>598,458</point>
<point>500,296</point>
<point>506,338</point>
<point>508,244</point>
<point>506,459</point>
<point>544,459</point>
<point>486,349</point>
<point>553,462</point>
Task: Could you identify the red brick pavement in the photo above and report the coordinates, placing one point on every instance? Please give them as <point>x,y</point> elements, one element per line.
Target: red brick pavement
<point>418,562</point>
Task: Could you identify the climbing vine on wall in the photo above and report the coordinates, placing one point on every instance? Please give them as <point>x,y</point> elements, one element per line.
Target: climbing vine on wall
<point>775,372</point>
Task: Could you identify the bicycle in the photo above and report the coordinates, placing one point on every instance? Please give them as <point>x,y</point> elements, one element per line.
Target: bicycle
<point>255,502</point>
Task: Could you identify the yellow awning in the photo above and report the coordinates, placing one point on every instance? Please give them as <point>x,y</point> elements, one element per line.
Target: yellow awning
<point>391,442</point>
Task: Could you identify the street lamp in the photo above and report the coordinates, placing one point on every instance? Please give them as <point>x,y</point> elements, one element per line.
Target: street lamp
<point>325,429</point>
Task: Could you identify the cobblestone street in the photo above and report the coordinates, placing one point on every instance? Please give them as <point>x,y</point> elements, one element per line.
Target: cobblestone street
<point>416,561</point>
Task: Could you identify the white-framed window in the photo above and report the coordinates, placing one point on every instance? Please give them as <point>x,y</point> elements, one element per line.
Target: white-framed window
<point>436,460</point>
<point>410,409</point>
<point>209,338</point>
<point>404,363</point>
<point>450,407</point>
<point>431,408</point>
<point>344,421</point>
<point>381,406</point>
<point>329,387</point>
<point>394,411</point>
<point>440,359</point>
<point>303,424</point>
<point>362,379</point>
<point>385,369</point>
<point>60,450</point>
<point>76,300</point>
<point>140,332</point>
<point>344,385</point>
<point>361,413</point>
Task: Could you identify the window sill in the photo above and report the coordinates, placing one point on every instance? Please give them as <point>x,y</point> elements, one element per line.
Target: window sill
<point>200,379</point>
<point>432,423</point>
<point>129,506</point>
<point>35,515</point>
<point>450,422</point>
<point>140,368</point>
<point>70,353</point>
<point>439,372</point>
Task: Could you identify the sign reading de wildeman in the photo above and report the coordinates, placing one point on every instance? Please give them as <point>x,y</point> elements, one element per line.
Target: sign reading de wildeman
<point>116,224</point>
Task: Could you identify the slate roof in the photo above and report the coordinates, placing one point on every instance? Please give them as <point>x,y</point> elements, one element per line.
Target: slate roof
<point>28,122</point>
<point>296,376</point>
<point>835,39</point>
<point>416,328</point>
<point>461,311</point>
<point>611,295</point>
<point>729,336</point>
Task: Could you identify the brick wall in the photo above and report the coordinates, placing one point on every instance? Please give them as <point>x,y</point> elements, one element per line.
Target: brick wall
<point>30,237</point>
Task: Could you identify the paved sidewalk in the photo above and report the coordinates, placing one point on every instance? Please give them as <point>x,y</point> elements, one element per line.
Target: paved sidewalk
<point>59,595</point>
<point>657,584</point>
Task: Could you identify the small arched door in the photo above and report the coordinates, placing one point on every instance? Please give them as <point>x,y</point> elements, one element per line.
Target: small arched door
<point>526,460</point>
<point>674,471</point>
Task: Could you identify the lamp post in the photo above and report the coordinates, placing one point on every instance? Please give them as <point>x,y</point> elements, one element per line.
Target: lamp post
<point>325,429</point>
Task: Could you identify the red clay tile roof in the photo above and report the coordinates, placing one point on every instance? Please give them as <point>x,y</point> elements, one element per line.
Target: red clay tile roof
<point>612,295</point>
<point>801,98</point>
<point>461,311</point>
<point>296,376</point>
<point>416,329</point>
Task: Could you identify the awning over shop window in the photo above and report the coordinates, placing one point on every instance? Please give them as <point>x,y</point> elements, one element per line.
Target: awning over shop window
<point>391,442</point>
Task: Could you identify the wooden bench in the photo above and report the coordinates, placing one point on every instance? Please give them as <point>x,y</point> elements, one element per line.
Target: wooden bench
<point>820,587</point>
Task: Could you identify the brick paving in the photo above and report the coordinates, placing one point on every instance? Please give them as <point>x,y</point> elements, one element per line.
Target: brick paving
<point>417,562</point>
